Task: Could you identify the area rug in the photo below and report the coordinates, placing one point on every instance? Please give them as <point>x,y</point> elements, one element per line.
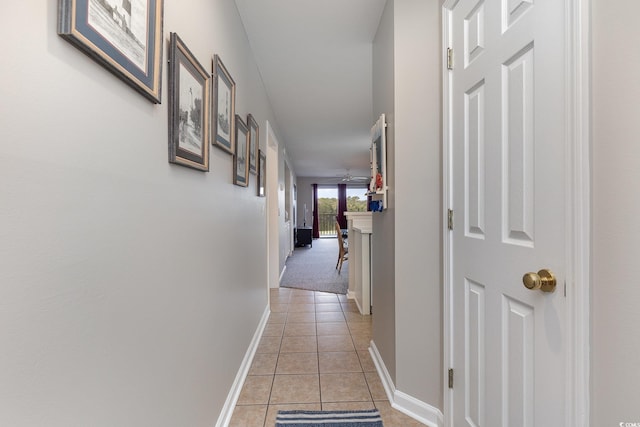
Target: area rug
<point>314,268</point>
<point>364,418</point>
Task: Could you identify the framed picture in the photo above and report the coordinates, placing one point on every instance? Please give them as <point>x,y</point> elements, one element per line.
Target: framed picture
<point>240,163</point>
<point>254,143</point>
<point>125,36</point>
<point>262,173</point>
<point>224,107</point>
<point>188,108</point>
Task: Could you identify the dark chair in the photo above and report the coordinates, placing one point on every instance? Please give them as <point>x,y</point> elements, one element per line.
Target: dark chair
<point>343,249</point>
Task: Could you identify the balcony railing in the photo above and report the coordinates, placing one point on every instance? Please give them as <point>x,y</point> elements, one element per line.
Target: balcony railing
<point>327,224</point>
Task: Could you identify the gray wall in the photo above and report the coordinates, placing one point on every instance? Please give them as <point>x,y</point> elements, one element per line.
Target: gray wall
<point>616,209</point>
<point>129,293</point>
<point>383,238</point>
<point>407,282</point>
<point>418,221</point>
<point>305,197</point>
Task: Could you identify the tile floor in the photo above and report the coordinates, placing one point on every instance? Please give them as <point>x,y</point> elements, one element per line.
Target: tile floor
<point>313,356</point>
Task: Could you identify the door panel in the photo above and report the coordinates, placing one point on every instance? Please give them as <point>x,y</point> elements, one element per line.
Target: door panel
<point>475,332</point>
<point>474,157</point>
<point>518,148</point>
<point>508,130</point>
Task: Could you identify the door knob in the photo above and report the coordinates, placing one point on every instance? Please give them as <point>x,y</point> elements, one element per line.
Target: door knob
<point>543,280</point>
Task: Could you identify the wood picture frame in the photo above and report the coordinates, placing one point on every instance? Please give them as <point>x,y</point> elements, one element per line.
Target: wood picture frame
<point>224,107</point>
<point>124,36</point>
<point>240,158</point>
<point>188,107</point>
<point>254,143</point>
<point>262,174</point>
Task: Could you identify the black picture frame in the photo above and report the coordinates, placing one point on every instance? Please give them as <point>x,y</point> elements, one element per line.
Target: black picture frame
<point>240,158</point>
<point>262,174</point>
<point>126,39</point>
<point>254,143</point>
<point>223,110</point>
<point>188,107</point>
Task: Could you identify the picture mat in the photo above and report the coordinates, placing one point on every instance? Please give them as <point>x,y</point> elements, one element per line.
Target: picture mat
<point>190,136</point>
<point>73,26</point>
<point>129,36</point>
<point>224,110</point>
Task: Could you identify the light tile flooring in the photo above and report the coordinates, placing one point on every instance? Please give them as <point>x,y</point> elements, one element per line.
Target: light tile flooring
<point>313,356</point>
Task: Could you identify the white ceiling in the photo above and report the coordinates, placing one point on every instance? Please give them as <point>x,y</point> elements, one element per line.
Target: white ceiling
<point>315,61</point>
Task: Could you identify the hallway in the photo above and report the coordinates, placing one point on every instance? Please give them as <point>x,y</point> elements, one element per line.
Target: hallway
<point>313,356</point>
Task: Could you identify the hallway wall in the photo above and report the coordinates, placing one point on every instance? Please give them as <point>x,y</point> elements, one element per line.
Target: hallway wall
<point>418,200</point>
<point>129,295</point>
<point>383,223</point>
<point>407,276</point>
<point>615,316</point>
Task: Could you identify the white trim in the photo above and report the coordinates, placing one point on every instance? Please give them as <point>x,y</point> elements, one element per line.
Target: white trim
<point>243,371</point>
<point>578,217</point>
<point>408,405</point>
<point>578,220</point>
<point>351,295</point>
<point>282,274</point>
<point>447,299</point>
<point>383,373</point>
<point>417,409</point>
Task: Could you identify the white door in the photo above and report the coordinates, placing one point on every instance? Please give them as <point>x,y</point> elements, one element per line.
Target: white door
<point>508,140</point>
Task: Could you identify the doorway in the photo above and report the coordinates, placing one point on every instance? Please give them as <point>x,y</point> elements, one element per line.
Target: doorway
<point>514,161</point>
<point>273,223</point>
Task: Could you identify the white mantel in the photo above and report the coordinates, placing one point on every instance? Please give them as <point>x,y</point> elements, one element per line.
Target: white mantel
<point>359,225</point>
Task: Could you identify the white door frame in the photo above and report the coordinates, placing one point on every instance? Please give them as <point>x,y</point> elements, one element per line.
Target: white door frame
<point>273,225</point>
<point>578,215</point>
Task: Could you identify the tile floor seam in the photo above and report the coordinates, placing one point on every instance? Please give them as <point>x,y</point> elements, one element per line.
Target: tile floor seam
<point>318,356</point>
<point>357,334</point>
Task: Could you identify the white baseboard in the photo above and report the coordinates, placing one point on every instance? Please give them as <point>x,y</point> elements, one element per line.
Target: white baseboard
<point>236,387</point>
<point>408,405</point>
<point>383,373</point>
<point>351,295</point>
<point>417,409</point>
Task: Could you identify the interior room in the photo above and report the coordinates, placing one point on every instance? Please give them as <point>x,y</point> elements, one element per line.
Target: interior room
<point>160,160</point>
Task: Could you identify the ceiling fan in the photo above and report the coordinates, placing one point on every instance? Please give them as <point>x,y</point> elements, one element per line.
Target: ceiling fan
<point>350,178</point>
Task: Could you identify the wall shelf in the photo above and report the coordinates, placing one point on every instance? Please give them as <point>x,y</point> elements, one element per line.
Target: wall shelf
<point>378,153</point>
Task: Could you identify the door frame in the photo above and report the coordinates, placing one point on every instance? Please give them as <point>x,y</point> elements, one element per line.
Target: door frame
<point>578,211</point>
<point>272,202</point>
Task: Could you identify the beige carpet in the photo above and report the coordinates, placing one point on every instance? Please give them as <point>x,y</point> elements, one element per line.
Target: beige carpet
<point>314,268</point>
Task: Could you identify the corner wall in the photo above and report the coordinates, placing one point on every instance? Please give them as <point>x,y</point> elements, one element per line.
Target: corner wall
<point>418,206</point>
<point>131,288</point>
<point>615,317</point>
<point>383,237</point>
<point>407,270</point>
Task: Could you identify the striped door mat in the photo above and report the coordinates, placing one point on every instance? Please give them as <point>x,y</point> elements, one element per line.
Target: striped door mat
<point>365,418</point>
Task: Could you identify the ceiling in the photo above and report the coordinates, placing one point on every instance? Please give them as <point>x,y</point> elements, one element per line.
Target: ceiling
<point>315,61</point>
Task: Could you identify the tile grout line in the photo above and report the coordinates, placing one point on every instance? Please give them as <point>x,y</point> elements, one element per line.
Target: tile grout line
<point>275,369</point>
<point>318,354</point>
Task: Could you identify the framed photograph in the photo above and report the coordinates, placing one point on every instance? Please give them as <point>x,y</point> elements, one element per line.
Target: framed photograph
<point>240,159</point>
<point>262,174</point>
<point>254,143</point>
<point>188,108</point>
<point>125,36</point>
<point>224,107</point>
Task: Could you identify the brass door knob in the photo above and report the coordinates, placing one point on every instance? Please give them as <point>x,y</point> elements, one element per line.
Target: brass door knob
<point>543,280</point>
